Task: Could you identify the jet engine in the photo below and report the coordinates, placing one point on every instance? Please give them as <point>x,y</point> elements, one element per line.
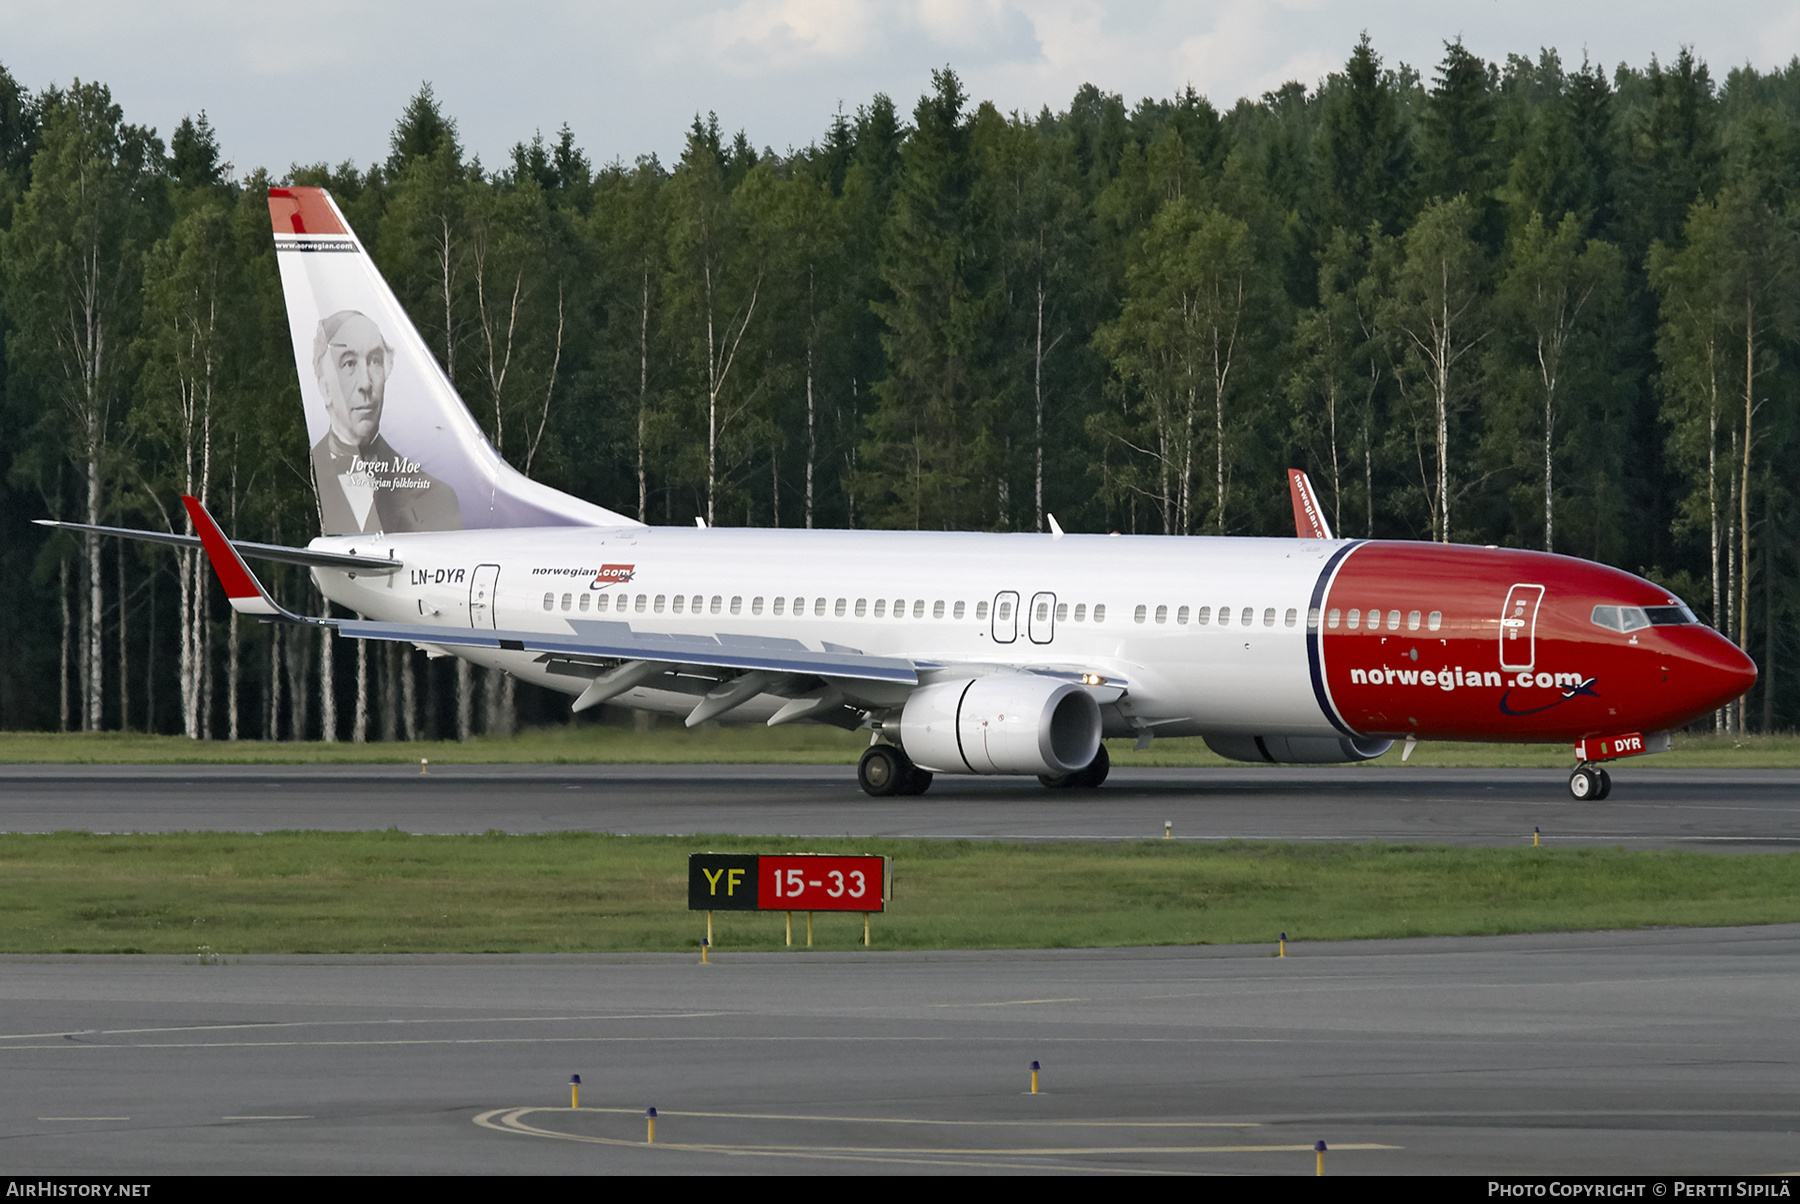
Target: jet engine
<point>1297,750</point>
<point>1007,723</point>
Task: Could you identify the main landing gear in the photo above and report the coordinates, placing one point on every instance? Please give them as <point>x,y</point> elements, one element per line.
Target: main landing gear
<point>885,771</point>
<point>1589,784</point>
<point>1088,778</point>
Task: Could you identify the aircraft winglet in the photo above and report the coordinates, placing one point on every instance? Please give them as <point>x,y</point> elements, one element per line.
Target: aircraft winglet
<point>1309,517</point>
<point>242,589</point>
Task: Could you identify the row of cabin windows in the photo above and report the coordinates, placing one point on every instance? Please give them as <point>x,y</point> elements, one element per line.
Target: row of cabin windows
<point>1203,616</point>
<point>1355,619</point>
<point>700,604</point>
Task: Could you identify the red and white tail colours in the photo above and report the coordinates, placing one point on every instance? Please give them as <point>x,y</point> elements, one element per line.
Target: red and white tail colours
<point>963,652</point>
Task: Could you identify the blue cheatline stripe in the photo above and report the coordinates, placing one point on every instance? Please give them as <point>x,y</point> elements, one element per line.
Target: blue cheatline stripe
<point>1313,635</point>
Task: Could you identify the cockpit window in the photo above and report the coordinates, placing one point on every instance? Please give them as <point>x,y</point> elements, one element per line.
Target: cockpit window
<point>1632,618</point>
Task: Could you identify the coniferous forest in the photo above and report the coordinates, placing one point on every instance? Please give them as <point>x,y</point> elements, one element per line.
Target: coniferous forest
<point>1529,303</point>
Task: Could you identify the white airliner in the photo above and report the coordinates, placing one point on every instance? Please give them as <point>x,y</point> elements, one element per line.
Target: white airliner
<point>961,653</point>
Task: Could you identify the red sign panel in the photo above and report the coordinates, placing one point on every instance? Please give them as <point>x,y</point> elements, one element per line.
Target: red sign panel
<point>809,882</point>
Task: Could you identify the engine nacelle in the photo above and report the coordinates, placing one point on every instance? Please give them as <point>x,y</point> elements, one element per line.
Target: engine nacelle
<point>1297,750</point>
<point>1007,723</point>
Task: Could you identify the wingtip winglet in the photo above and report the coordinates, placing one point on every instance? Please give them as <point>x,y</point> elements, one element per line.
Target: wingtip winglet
<point>242,589</point>
<point>1309,517</point>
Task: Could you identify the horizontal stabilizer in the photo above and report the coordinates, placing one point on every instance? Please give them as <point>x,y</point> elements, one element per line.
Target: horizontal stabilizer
<point>306,557</point>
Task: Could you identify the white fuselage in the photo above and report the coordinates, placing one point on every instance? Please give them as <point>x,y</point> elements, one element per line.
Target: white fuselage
<point>1123,607</point>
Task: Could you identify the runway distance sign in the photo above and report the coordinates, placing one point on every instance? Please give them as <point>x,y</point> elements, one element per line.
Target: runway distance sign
<point>787,882</point>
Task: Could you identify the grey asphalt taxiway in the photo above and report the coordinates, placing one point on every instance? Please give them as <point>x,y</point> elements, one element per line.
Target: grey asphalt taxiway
<point>1660,1052</point>
<point>1652,1053</point>
<point>1714,810</point>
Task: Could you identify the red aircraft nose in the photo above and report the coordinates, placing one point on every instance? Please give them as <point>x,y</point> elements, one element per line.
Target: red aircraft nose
<point>1716,670</point>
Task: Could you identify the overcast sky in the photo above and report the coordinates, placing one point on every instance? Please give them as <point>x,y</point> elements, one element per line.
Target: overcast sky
<point>327,80</point>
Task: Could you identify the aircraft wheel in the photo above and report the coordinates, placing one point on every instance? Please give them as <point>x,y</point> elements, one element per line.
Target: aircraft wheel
<point>918,781</point>
<point>1056,781</point>
<point>1605,784</point>
<point>883,771</point>
<point>1584,784</point>
<point>1096,771</point>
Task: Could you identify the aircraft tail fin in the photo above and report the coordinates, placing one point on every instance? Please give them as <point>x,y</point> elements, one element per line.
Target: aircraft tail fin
<point>393,446</point>
<point>1309,516</point>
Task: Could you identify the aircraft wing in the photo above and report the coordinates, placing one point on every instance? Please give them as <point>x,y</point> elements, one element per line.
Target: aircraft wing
<point>597,642</point>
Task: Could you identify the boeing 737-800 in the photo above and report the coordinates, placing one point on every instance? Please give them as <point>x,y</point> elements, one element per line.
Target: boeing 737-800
<point>960,652</point>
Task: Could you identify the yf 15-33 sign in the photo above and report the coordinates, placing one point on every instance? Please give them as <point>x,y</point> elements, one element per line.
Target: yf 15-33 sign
<point>788,882</point>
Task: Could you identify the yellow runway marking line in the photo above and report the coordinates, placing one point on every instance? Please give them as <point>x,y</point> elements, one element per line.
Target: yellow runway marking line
<point>509,1120</point>
<point>907,1120</point>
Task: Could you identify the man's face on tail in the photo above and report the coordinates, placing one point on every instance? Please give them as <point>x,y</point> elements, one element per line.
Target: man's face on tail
<point>353,376</point>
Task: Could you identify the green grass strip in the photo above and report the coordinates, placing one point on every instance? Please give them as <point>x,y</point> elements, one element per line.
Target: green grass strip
<point>389,892</point>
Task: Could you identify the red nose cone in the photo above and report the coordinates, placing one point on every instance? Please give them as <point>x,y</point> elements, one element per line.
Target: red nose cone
<point>1720,671</point>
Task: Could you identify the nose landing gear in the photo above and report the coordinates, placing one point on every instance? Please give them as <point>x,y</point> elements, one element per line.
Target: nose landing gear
<point>885,771</point>
<point>1589,784</point>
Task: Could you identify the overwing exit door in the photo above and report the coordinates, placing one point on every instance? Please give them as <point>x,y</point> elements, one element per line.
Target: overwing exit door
<point>1518,627</point>
<point>1041,623</point>
<point>1006,617</point>
<point>481,595</point>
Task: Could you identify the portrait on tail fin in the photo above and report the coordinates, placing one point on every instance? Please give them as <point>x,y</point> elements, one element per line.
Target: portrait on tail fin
<point>364,483</point>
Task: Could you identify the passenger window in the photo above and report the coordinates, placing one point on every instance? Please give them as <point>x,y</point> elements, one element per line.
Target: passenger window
<point>1312,619</point>
<point>899,608</point>
<point>550,601</point>
<point>1062,611</point>
<point>1248,618</point>
<point>1081,612</point>
<point>1203,616</point>
<point>880,607</point>
<point>838,610</point>
<point>1162,614</point>
<point>937,609</point>
<point>601,603</point>
<point>756,605</point>
<point>981,610</point>
<point>918,608</point>
<point>1293,614</point>
<point>1099,612</point>
<point>566,600</point>
<point>819,607</point>
<point>1434,620</point>
<point>697,604</point>
<point>1355,618</point>
<point>737,605</point>
<point>1181,616</point>
<point>1224,616</point>
<point>717,603</point>
<point>1269,617</point>
<point>1137,616</point>
<point>1393,620</point>
<point>1005,614</point>
<point>958,612</point>
<point>1412,621</point>
<point>678,603</point>
<point>799,607</point>
<point>780,605</point>
<point>862,607</point>
<point>1332,616</point>
<point>658,607</point>
<point>586,601</point>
